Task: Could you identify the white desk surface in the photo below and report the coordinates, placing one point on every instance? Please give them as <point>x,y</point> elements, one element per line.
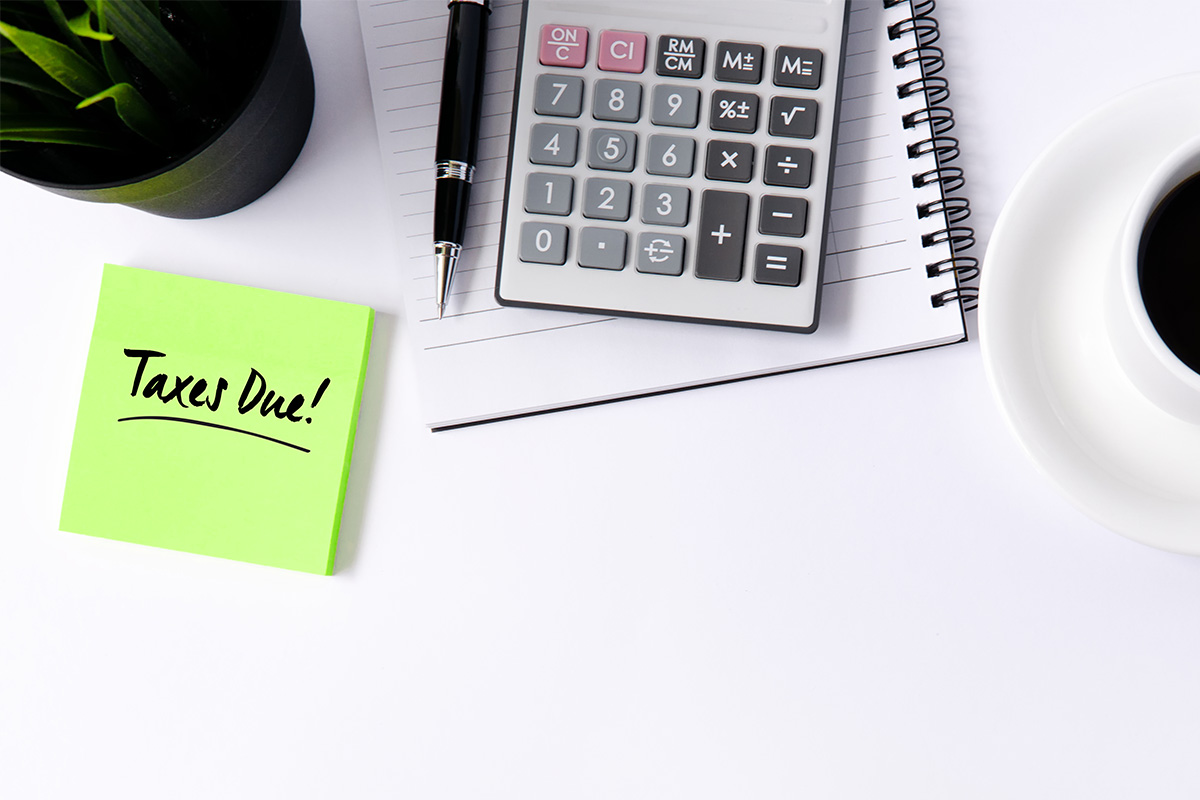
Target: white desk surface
<point>846,583</point>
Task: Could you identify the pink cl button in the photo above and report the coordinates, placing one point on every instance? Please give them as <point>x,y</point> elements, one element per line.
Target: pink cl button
<point>622,51</point>
<point>563,46</point>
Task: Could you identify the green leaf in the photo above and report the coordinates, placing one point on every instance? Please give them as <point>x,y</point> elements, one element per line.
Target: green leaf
<point>48,129</point>
<point>64,27</point>
<point>134,111</point>
<point>82,26</point>
<point>136,27</point>
<point>23,73</point>
<point>113,64</point>
<point>58,60</point>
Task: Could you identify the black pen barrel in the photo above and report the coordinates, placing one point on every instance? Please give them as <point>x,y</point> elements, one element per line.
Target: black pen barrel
<point>458,123</point>
<point>450,200</point>
<point>462,82</point>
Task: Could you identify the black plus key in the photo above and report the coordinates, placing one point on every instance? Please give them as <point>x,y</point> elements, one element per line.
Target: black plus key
<point>729,161</point>
<point>722,235</point>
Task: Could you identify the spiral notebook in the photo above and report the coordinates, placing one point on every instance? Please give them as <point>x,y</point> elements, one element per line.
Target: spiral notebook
<point>896,279</point>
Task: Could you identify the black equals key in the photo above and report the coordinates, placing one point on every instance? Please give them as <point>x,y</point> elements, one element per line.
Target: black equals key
<point>721,248</point>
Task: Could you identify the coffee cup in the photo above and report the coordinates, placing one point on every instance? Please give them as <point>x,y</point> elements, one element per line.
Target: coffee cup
<point>1152,292</point>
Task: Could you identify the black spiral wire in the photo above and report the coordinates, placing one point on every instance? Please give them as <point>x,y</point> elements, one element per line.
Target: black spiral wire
<point>944,149</point>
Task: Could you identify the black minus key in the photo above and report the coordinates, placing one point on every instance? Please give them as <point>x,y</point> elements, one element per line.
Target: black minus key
<point>783,216</point>
<point>721,248</point>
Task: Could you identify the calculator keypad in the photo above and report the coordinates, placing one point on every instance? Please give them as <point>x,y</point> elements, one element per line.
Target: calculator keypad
<point>675,155</point>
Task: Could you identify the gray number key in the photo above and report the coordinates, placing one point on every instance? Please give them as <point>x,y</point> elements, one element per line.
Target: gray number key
<point>604,198</point>
<point>665,205</point>
<point>554,145</point>
<point>670,155</point>
<point>543,243</point>
<point>558,96</point>
<point>676,106</point>
<point>618,101</point>
<point>611,149</point>
<point>548,194</point>
<point>602,248</point>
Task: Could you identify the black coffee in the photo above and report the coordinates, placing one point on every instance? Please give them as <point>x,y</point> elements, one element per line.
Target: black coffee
<point>1169,271</point>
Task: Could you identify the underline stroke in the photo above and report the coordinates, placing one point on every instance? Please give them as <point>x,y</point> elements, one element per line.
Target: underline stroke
<point>221,427</point>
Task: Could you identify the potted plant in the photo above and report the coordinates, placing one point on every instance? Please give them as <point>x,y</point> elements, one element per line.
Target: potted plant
<point>183,108</point>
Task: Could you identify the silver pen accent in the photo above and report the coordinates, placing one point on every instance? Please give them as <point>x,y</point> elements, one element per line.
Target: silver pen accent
<point>446,257</point>
<point>455,170</point>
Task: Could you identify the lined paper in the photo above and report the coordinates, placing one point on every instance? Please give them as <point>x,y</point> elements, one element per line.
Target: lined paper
<point>485,362</point>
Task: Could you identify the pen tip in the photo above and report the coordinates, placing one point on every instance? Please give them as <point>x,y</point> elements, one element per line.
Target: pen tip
<point>441,307</point>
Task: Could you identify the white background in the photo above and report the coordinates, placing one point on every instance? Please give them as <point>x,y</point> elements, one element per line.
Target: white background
<point>846,583</point>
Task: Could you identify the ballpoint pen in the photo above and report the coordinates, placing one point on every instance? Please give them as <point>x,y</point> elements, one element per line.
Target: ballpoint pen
<point>458,135</point>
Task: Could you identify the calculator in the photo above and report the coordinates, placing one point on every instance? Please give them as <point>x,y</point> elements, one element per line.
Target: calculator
<point>672,159</point>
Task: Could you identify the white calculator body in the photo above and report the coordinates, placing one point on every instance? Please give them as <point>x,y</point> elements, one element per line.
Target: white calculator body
<point>673,159</point>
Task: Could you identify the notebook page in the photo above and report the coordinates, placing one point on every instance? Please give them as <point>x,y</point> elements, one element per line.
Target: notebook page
<point>483,361</point>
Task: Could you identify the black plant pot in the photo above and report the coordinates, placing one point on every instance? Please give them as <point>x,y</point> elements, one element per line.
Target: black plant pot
<point>246,156</point>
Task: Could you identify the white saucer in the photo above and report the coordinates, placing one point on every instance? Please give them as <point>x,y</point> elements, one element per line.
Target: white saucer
<point>1123,461</point>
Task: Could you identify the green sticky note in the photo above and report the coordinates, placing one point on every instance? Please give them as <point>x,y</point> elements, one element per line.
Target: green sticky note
<point>217,419</point>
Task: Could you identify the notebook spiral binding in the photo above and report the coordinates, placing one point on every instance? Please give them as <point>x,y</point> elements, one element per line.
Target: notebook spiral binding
<point>937,115</point>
